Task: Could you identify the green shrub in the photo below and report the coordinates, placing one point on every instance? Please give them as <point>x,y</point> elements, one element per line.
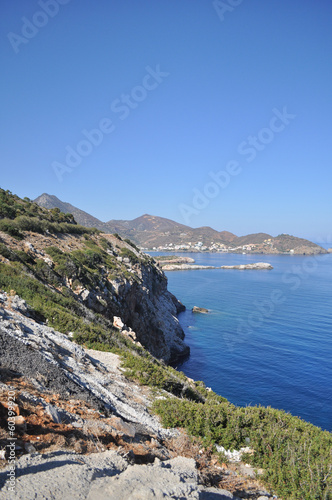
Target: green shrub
<point>9,226</point>
<point>44,272</point>
<point>104,243</point>
<point>148,371</point>
<point>25,223</point>
<point>25,257</point>
<point>7,252</point>
<point>127,240</point>
<point>125,252</point>
<point>56,254</point>
<point>295,455</point>
<point>18,215</point>
<point>7,211</point>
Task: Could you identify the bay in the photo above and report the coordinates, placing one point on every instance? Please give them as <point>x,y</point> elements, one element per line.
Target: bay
<point>267,338</point>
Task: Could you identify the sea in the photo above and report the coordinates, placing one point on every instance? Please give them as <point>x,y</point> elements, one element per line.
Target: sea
<point>267,338</point>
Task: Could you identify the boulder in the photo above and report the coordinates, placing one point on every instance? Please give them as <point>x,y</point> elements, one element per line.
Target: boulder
<point>202,310</point>
<point>118,323</point>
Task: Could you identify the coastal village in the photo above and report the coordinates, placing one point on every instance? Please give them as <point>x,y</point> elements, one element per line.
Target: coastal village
<point>266,246</point>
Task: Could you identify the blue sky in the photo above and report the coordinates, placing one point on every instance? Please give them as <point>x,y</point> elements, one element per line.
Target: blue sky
<point>177,90</point>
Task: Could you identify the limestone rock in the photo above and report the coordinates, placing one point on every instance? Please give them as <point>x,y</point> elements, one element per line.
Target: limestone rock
<point>202,310</point>
<point>255,266</point>
<point>185,267</point>
<point>118,323</point>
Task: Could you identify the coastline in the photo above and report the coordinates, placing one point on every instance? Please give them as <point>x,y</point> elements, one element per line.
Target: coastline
<point>244,318</point>
<point>256,266</point>
<point>192,250</point>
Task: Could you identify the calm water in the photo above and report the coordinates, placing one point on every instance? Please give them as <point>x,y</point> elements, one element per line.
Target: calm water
<point>268,337</point>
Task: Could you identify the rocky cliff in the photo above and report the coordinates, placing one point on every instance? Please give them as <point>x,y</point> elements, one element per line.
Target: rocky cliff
<point>86,283</point>
<point>109,277</point>
<point>84,431</point>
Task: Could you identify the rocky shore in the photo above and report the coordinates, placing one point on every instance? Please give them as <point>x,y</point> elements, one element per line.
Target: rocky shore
<point>84,431</point>
<point>186,267</point>
<point>85,370</point>
<point>256,266</point>
<point>174,259</point>
<point>192,267</point>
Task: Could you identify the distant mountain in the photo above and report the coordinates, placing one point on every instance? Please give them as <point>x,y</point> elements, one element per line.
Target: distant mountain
<point>150,231</point>
<point>153,223</point>
<point>146,230</point>
<point>253,238</point>
<point>50,201</point>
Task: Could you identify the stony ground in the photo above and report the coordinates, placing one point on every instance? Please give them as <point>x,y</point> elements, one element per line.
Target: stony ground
<point>84,431</point>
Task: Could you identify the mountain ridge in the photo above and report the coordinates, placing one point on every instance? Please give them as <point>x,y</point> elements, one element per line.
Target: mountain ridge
<point>152,232</point>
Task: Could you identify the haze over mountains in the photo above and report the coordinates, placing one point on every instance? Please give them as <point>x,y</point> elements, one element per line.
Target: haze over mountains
<point>149,231</point>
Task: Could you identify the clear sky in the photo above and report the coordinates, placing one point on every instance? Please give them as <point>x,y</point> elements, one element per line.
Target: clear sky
<point>207,113</point>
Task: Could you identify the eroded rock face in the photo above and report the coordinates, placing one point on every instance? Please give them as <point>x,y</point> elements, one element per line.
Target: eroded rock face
<point>70,401</point>
<point>122,282</point>
<point>150,310</point>
<point>57,364</point>
<point>140,302</point>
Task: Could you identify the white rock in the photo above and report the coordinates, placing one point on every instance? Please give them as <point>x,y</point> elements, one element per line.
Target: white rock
<point>30,247</point>
<point>235,455</point>
<point>118,323</point>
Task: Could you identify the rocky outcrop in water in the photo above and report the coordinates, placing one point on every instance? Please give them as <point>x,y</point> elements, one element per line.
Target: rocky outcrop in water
<point>194,267</point>
<point>257,266</point>
<point>201,310</point>
<point>186,267</point>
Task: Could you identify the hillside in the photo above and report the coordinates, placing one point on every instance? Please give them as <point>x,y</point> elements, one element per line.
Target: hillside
<point>75,268</point>
<point>87,327</point>
<point>50,201</point>
<point>152,232</point>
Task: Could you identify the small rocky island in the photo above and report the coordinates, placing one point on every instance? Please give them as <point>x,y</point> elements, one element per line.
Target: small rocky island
<point>201,310</point>
<point>257,266</point>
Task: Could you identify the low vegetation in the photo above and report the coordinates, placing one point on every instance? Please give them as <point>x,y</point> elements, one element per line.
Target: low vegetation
<point>295,455</point>
<point>17,216</point>
<point>131,244</point>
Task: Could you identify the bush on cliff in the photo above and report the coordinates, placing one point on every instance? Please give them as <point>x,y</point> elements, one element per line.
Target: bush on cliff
<point>148,371</point>
<point>295,455</point>
<point>18,215</point>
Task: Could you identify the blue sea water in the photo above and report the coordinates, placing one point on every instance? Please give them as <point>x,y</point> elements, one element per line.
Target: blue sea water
<point>268,336</point>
